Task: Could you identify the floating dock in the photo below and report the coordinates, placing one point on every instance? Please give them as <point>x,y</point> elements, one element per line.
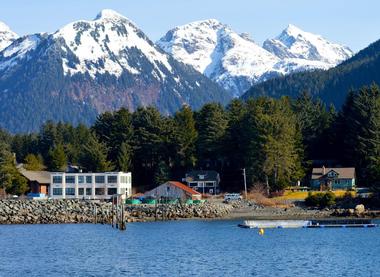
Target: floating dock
<point>328,223</point>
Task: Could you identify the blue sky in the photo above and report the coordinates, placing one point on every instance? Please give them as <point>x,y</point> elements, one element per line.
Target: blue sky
<point>350,22</point>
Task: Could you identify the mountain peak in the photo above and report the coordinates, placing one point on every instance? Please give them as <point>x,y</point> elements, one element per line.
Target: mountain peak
<point>291,29</point>
<point>7,36</point>
<point>4,27</point>
<point>294,43</point>
<point>232,60</point>
<point>109,14</point>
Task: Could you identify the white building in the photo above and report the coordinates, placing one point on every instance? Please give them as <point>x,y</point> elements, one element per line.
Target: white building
<point>90,185</point>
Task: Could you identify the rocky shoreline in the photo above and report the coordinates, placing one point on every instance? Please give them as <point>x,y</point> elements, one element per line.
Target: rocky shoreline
<point>80,211</point>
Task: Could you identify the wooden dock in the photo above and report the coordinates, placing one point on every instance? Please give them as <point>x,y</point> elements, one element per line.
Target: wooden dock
<point>342,223</point>
<point>327,223</point>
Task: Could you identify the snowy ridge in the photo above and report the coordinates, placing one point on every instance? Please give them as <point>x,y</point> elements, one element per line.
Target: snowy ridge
<point>232,60</point>
<point>102,45</point>
<point>7,36</point>
<point>19,50</point>
<point>295,43</point>
<point>236,62</point>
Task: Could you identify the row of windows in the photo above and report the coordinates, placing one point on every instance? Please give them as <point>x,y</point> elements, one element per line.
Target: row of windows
<point>201,184</point>
<point>98,191</point>
<point>99,179</point>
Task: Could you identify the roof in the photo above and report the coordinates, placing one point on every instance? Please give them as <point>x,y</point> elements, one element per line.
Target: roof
<point>42,177</point>
<point>209,175</point>
<point>183,187</point>
<point>343,172</point>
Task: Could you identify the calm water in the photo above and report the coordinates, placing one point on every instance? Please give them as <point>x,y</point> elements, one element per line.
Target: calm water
<point>186,248</point>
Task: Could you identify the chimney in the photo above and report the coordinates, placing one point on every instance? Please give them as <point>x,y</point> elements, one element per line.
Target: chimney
<point>323,170</point>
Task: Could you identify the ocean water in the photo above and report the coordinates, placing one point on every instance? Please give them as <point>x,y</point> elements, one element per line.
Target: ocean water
<point>186,248</point>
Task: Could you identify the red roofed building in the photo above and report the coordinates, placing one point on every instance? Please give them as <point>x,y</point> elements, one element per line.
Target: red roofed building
<point>174,190</point>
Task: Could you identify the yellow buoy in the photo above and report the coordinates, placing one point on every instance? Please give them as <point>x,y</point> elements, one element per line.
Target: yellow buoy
<point>261,231</point>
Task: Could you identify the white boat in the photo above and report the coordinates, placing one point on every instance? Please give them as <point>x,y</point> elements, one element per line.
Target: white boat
<point>275,224</point>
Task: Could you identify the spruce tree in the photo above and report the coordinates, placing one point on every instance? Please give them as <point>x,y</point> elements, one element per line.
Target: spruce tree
<point>10,178</point>
<point>211,124</point>
<point>94,156</point>
<point>185,136</point>
<point>57,160</point>
<point>33,162</point>
<point>124,158</point>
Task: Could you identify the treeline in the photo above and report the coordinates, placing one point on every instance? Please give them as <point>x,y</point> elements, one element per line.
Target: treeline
<point>275,140</point>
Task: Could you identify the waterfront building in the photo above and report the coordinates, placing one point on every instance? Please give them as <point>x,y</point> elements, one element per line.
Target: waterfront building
<point>204,181</point>
<point>38,181</point>
<point>173,190</point>
<point>334,178</point>
<point>90,185</point>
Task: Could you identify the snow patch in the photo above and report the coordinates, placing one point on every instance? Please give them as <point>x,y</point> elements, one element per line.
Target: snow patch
<point>104,44</point>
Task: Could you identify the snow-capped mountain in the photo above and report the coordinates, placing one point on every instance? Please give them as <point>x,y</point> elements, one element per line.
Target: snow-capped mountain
<point>88,67</point>
<point>7,36</point>
<point>293,43</point>
<point>234,61</point>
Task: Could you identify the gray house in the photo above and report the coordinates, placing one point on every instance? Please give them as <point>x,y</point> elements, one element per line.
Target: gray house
<point>204,181</point>
<point>324,178</point>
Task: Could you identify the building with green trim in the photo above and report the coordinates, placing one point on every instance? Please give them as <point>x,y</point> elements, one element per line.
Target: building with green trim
<point>337,178</point>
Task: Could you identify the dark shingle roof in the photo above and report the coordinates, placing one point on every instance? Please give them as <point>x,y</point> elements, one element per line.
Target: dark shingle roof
<point>208,175</point>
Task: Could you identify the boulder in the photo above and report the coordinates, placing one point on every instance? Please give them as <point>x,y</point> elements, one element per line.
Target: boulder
<point>359,209</point>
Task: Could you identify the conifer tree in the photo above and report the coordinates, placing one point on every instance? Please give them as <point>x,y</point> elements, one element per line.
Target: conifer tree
<point>124,158</point>
<point>211,125</point>
<point>185,136</point>
<point>94,156</point>
<point>10,178</point>
<point>33,162</point>
<point>57,160</point>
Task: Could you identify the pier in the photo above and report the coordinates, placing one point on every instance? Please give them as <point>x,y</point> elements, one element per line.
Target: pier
<point>327,223</point>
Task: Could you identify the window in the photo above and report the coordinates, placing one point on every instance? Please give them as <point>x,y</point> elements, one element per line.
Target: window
<point>112,191</point>
<point>57,179</point>
<point>81,179</point>
<point>70,191</point>
<point>100,179</point>
<point>81,191</point>
<point>209,184</point>
<point>167,189</point>
<point>125,179</point>
<point>193,184</point>
<point>57,191</point>
<point>112,179</point>
<point>70,179</point>
<point>88,191</point>
<point>99,191</point>
<point>201,177</point>
<point>89,179</point>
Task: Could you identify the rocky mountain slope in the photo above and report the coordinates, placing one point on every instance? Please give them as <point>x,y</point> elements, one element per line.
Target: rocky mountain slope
<point>293,43</point>
<point>236,62</point>
<point>89,67</point>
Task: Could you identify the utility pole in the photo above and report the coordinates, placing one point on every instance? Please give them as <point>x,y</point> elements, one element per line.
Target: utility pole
<point>245,184</point>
